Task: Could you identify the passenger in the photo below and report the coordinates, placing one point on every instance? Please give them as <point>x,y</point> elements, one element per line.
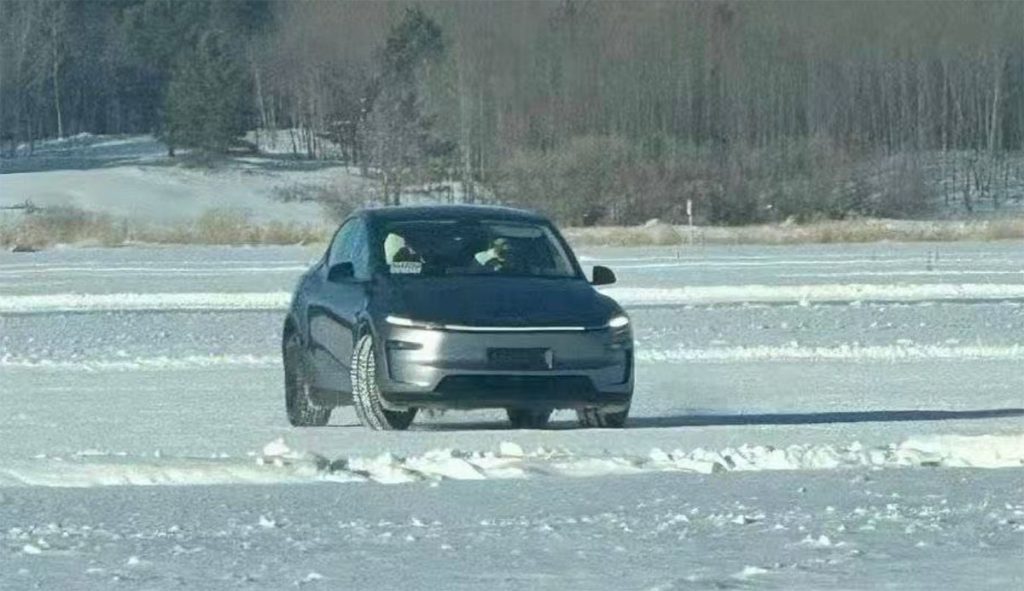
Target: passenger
<point>397,251</point>
<point>496,258</point>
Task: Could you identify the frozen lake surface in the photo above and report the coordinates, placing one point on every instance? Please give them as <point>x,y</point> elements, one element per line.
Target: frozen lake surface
<point>805,417</point>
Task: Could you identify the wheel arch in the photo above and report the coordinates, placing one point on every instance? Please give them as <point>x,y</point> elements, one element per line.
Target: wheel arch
<point>290,325</point>
<point>289,328</point>
<point>363,326</point>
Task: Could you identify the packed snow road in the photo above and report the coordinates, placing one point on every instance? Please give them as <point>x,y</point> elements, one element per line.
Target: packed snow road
<point>773,383</point>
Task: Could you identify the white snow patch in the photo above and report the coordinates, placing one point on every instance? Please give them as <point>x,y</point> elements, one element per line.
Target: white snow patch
<point>132,177</point>
<point>158,363</point>
<point>627,296</point>
<point>74,473</point>
<point>982,451</point>
<point>277,447</point>
<point>814,293</point>
<point>790,352</point>
<point>311,577</point>
<point>510,449</point>
<point>846,352</point>
<point>821,541</point>
<point>750,571</point>
<point>445,464</point>
<point>908,273</point>
<point>24,272</point>
<point>113,302</point>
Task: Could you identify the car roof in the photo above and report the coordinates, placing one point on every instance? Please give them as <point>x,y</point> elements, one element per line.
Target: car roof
<point>445,212</point>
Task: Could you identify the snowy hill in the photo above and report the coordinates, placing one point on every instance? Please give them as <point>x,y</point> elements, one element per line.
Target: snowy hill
<point>132,177</point>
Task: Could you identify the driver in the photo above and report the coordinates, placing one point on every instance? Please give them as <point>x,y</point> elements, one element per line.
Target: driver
<point>496,258</point>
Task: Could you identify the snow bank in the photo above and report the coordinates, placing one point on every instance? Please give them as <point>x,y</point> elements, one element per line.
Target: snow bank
<point>113,302</point>
<point>817,293</point>
<point>278,463</point>
<point>627,296</point>
<point>844,352</point>
<point>24,272</point>
<point>158,363</point>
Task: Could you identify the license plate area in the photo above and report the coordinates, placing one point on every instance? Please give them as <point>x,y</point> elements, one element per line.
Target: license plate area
<point>522,359</point>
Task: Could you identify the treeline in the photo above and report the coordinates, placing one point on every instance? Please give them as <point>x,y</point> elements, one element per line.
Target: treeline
<point>594,111</point>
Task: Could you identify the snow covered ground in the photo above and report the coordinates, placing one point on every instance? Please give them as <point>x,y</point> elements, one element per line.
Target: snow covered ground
<point>805,417</point>
<point>906,529</point>
<point>132,178</point>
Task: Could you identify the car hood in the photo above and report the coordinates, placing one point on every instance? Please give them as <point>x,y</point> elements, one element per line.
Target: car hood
<point>500,301</point>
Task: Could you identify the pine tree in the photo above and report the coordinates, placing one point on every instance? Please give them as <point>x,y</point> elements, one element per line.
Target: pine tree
<point>398,131</point>
<point>208,98</point>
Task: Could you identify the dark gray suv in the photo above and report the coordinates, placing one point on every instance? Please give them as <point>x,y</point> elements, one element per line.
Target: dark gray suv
<point>454,307</point>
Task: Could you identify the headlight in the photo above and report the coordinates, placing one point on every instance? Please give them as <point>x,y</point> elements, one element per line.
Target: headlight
<point>409,323</point>
<point>399,321</point>
<point>620,321</point>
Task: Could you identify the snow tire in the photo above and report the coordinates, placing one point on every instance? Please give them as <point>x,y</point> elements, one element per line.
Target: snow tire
<point>602,419</point>
<point>302,409</point>
<point>366,392</point>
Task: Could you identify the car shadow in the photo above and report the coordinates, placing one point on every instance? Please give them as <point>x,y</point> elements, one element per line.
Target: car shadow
<point>706,419</point>
<point>815,418</point>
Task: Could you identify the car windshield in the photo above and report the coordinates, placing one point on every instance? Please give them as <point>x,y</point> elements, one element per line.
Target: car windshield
<point>458,247</point>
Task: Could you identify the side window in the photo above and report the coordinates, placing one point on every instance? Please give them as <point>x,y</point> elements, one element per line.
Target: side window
<point>360,252</point>
<point>351,245</point>
<point>341,247</point>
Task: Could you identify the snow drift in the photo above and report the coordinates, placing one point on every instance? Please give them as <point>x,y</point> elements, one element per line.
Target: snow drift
<point>278,463</point>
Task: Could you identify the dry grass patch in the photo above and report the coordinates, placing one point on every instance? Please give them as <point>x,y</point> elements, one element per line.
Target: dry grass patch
<point>61,225</point>
<point>66,225</point>
<point>840,231</point>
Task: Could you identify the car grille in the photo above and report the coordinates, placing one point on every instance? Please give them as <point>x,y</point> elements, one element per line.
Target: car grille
<point>519,359</point>
<point>527,385</point>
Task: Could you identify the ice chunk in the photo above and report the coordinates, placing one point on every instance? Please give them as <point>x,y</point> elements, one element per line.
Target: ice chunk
<point>510,449</point>
<point>276,447</point>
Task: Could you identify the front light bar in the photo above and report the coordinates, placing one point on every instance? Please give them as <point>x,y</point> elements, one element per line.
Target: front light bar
<point>616,322</point>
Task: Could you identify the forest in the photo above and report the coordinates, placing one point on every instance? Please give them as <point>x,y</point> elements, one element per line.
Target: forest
<point>595,112</point>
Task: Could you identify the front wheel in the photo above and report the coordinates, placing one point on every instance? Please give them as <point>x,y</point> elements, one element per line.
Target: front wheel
<point>366,392</point>
<point>528,419</point>
<point>302,410</point>
<point>602,419</point>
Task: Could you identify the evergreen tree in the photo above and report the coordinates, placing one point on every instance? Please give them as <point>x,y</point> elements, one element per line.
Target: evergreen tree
<point>398,130</point>
<point>208,98</point>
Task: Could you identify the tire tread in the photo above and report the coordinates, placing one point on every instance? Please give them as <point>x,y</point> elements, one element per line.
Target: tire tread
<point>366,393</point>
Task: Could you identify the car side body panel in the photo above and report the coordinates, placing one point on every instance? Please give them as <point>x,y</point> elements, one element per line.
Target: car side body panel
<point>331,312</point>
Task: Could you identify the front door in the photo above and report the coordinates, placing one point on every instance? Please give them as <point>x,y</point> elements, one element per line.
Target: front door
<point>334,307</point>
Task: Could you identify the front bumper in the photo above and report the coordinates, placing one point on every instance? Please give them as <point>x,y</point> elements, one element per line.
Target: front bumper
<point>428,368</point>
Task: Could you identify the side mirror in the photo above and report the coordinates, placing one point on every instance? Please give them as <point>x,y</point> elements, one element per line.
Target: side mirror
<point>603,276</point>
<point>341,272</point>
